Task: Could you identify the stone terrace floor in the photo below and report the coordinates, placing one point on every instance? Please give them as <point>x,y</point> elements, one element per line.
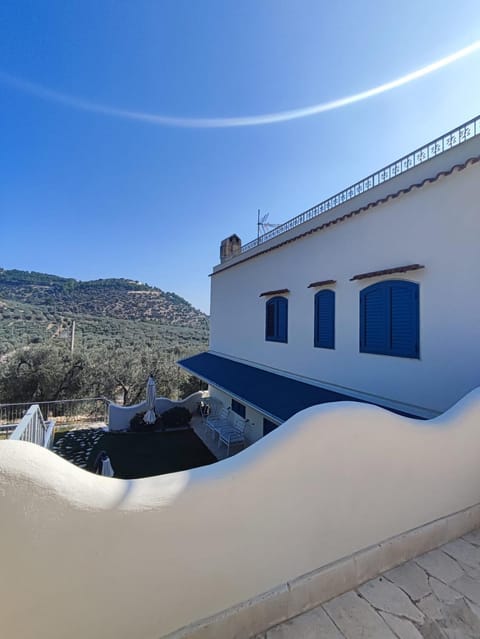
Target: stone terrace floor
<point>435,596</point>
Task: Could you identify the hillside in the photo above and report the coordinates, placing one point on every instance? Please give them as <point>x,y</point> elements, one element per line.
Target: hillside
<point>116,298</point>
<point>36,308</point>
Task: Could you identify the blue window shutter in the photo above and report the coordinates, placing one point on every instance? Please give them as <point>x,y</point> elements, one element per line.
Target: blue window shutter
<point>363,328</point>
<point>276,319</point>
<point>374,319</point>
<point>238,408</point>
<point>324,319</point>
<point>270,319</point>
<point>404,319</point>
<point>389,319</point>
<point>282,306</point>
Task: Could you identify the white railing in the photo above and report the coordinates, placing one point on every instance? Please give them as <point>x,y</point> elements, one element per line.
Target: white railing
<point>33,428</point>
<point>64,411</point>
<point>444,143</point>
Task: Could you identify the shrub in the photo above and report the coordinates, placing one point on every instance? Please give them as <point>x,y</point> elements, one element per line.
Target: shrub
<point>176,417</point>
<point>137,425</point>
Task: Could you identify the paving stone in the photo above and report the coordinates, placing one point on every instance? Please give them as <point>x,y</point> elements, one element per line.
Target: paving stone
<point>403,628</point>
<point>432,630</point>
<point>440,565</point>
<point>410,578</point>
<point>461,620</point>
<point>388,597</point>
<point>431,607</point>
<point>473,537</point>
<point>310,625</point>
<point>462,551</point>
<point>468,587</point>
<point>356,619</point>
<point>443,592</point>
<point>474,611</point>
<point>470,570</point>
<point>457,619</point>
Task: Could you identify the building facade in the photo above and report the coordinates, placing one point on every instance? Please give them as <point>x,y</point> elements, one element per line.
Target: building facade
<point>372,296</point>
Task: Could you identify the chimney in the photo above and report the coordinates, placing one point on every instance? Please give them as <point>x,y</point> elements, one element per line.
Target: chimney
<point>230,247</point>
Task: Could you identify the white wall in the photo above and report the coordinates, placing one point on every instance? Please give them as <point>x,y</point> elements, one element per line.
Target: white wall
<point>119,416</point>
<point>90,556</point>
<point>438,226</point>
<point>254,429</point>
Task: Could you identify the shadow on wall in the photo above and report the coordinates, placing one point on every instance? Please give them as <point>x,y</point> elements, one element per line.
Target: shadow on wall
<point>146,557</point>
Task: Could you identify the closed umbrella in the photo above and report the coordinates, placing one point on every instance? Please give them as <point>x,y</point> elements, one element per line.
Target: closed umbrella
<point>107,469</point>
<point>150,416</point>
<point>103,465</point>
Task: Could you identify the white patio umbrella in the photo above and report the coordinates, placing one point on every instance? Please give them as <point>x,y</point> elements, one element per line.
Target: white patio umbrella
<point>103,465</point>
<point>107,469</point>
<point>150,416</point>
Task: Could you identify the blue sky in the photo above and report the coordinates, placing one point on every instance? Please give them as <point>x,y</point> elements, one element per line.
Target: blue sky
<point>88,195</point>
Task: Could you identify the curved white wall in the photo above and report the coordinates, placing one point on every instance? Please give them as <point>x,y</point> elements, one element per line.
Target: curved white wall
<point>100,557</point>
<point>119,416</point>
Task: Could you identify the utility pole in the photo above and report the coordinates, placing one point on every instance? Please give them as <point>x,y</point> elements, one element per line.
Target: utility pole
<point>72,340</point>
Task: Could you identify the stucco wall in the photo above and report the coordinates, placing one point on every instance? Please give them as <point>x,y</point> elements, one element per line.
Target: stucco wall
<point>119,416</point>
<point>254,428</point>
<point>90,556</point>
<point>438,226</point>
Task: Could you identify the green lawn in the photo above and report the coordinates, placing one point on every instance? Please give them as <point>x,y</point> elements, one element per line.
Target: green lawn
<point>135,455</point>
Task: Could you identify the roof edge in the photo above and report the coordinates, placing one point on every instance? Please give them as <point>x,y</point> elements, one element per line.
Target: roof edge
<point>471,161</point>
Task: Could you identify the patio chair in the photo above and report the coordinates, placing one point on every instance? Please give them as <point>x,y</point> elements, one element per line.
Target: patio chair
<point>234,435</point>
<point>225,425</point>
<point>216,423</point>
<point>210,407</point>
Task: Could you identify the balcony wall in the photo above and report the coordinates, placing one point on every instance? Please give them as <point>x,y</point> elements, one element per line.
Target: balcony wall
<point>89,556</point>
<point>119,416</point>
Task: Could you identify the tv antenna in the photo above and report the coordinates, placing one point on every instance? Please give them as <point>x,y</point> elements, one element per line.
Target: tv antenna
<point>263,225</point>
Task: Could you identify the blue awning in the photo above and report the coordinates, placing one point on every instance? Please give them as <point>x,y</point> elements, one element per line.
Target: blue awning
<point>274,395</point>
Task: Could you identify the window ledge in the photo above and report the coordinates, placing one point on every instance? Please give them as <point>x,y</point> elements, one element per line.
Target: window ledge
<point>388,271</point>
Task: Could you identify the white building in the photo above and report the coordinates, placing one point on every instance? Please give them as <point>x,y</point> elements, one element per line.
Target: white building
<point>372,295</point>
<point>389,268</point>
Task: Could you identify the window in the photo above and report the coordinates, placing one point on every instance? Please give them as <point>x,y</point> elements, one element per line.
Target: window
<point>238,408</point>
<point>324,322</point>
<point>389,319</point>
<point>268,426</point>
<point>276,319</point>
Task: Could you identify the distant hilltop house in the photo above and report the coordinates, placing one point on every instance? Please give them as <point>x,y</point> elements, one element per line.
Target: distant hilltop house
<point>372,295</point>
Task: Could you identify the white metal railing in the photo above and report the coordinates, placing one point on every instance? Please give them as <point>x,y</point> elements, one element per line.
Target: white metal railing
<point>442,144</point>
<point>33,428</point>
<point>6,430</point>
<point>64,411</point>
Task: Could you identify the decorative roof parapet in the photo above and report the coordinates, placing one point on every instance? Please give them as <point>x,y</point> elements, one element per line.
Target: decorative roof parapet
<point>440,145</point>
<point>429,180</point>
